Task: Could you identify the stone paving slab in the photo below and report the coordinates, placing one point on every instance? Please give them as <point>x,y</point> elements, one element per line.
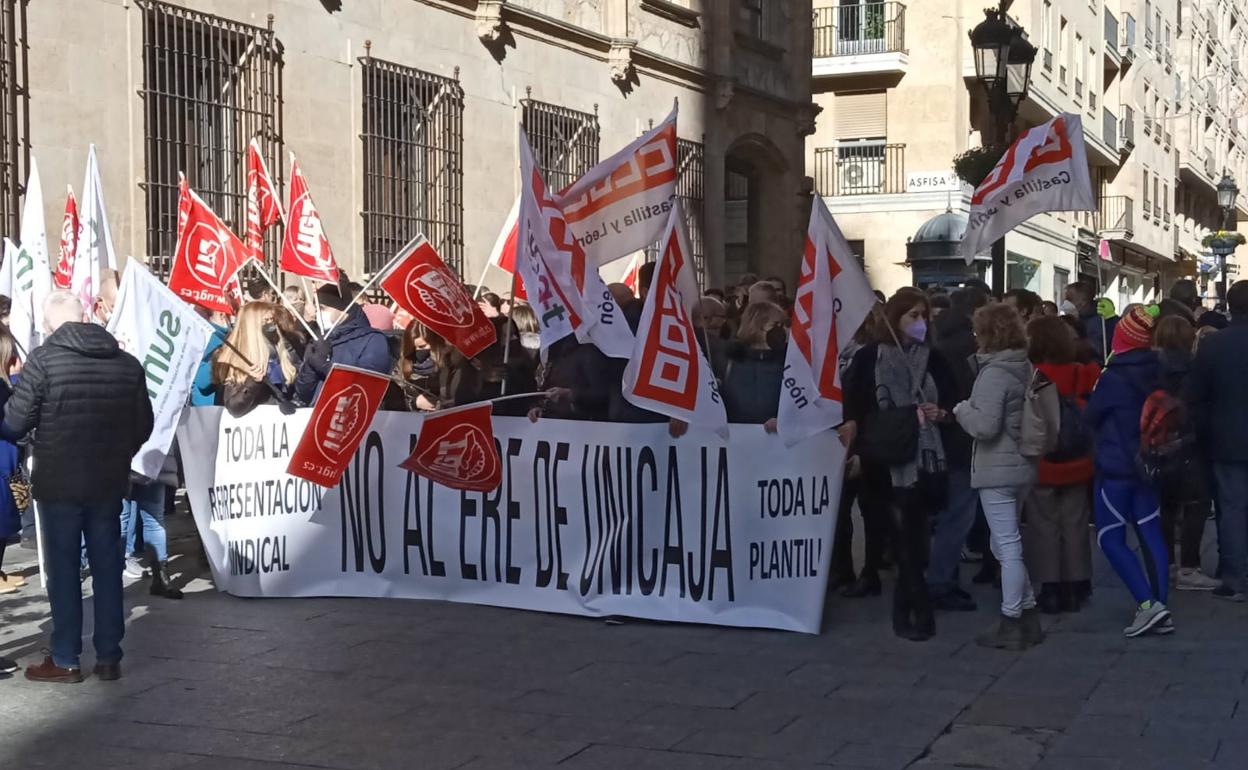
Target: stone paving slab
<point>220,683</point>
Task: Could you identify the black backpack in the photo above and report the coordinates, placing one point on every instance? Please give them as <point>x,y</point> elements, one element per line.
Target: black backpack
<point>1074,439</point>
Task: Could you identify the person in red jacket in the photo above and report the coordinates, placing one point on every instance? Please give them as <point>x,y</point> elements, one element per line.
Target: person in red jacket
<point>1057,510</point>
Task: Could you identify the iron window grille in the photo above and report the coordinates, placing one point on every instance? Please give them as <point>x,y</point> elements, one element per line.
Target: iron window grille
<point>209,86</point>
<point>413,162</point>
<point>564,141</point>
<point>15,125</point>
<point>691,190</point>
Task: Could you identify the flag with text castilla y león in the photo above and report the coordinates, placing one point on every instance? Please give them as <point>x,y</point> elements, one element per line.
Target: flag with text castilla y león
<point>69,242</point>
<point>341,415</point>
<point>263,207</point>
<point>422,284</point>
<point>620,206</point>
<point>208,255</point>
<point>456,449</point>
<point>503,255</point>
<point>1046,169</point>
<point>833,299</point>
<point>94,252</point>
<point>668,372</point>
<point>565,290</point>
<point>305,251</point>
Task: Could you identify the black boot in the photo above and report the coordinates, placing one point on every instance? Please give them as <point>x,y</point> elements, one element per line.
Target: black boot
<point>1047,601</point>
<point>1067,601</point>
<point>867,585</point>
<point>160,582</point>
<point>1083,592</point>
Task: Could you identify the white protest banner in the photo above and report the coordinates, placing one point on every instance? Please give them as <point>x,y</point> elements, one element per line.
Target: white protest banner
<point>620,520</point>
<point>168,338</point>
<point>620,206</point>
<point>95,240</point>
<point>16,281</point>
<point>833,299</point>
<point>34,241</point>
<point>1046,169</point>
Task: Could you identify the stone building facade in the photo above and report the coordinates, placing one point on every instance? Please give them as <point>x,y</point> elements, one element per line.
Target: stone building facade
<point>403,113</point>
<point>1159,87</point>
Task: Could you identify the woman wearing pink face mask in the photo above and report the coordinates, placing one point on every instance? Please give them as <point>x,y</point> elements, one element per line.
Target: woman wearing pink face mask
<point>898,394</point>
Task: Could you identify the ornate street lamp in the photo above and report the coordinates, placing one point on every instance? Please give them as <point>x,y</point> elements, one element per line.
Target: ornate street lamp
<point>1228,191</point>
<point>1003,59</point>
<point>1226,240</point>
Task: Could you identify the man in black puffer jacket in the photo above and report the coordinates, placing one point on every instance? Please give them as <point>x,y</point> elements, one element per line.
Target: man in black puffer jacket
<point>86,401</point>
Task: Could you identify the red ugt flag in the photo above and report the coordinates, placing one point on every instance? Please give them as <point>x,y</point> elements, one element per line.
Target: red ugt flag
<point>833,299</point>
<point>263,208</point>
<point>456,449</point>
<point>208,255</point>
<point>69,242</point>
<point>341,415</point>
<point>422,285</point>
<point>305,250</point>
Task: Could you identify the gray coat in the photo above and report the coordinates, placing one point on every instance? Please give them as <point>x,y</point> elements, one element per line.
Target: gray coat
<point>993,416</point>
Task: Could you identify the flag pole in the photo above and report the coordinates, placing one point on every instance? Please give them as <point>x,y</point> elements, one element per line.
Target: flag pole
<point>286,302</point>
<point>377,276</point>
<point>507,339</point>
<point>283,403</point>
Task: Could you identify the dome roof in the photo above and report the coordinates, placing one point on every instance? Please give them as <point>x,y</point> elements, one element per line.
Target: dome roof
<point>949,226</point>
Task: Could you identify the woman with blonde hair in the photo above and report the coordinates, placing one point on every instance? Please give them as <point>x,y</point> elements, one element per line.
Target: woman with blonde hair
<point>256,365</point>
<point>751,387</point>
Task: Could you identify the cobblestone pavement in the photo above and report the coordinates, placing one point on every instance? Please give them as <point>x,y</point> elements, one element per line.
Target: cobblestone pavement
<point>219,683</point>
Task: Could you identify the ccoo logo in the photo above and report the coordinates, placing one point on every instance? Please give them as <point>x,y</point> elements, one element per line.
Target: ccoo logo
<point>461,457</point>
<point>339,428</point>
<point>440,294</point>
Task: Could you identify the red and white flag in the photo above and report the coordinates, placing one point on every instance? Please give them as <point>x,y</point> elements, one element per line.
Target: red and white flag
<point>632,274</point>
<point>208,255</point>
<point>621,205</point>
<point>833,299</point>
<point>263,206</point>
<point>456,449</point>
<point>341,415</point>
<point>503,255</point>
<point>69,242</point>
<point>305,250</point>
<point>570,295</point>
<point>421,283</point>
<point>1046,169</point>
<point>668,372</point>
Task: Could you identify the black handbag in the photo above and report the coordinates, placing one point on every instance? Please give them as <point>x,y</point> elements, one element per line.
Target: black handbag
<point>890,435</point>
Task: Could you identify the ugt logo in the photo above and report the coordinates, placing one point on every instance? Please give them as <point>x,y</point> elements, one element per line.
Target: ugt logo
<point>440,294</point>
<point>208,255</point>
<point>340,427</point>
<point>461,456</point>
<point>310,244</point>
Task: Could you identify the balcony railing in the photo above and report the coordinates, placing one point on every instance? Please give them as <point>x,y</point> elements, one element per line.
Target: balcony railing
<point>1157,210</point>
<point>865,28</point>
<point>1114,214</point>
<point>1111,32</point>
<point>1126,129</point>
<point>1148,124</point>
<point>861,169</point>
<point>1109,128</point>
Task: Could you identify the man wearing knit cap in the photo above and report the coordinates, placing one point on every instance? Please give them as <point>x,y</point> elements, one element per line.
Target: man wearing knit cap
<point>1123,498</point>
<point>1217,393</point>
<point>352,341</point>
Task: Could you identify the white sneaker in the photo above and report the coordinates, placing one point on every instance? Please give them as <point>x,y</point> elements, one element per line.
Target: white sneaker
<point>134,568</point>
<point>1192,579</point>
<point>1146,618</point>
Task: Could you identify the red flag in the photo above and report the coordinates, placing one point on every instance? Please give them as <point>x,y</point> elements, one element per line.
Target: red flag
<point>503,255</point>
<point>69,242</point>
<point>305,251</point>
<point>263,208</point>
<point>424,286</point>
<point>632,275</point>
<point>341,415</point>
<point>457,450</point>
<point>208,254</point>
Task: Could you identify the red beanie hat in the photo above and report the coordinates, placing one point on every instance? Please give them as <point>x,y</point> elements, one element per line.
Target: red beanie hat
<point>1134,331</point>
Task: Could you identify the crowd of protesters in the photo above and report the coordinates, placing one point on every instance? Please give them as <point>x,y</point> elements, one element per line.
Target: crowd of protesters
<point>943,395</point>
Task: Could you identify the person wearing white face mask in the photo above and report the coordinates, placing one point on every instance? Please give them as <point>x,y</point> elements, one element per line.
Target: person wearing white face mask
<point>347,339</point>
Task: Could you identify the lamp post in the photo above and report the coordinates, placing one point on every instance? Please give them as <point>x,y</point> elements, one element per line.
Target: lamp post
<point>1003,59</point>
<point>1228,191</point>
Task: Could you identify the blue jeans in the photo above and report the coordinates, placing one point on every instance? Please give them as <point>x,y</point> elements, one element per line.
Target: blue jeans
<point>1232,489</point>
<point>64,526</point>
<point>148,501</point>
<point>953,524</point>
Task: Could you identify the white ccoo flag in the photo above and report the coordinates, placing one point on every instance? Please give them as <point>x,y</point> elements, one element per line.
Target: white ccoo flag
<point>95,239</point>
<point>1046,169</point>
<point>833,299</point>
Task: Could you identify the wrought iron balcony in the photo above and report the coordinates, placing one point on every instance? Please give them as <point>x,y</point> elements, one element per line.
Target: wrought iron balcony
<point>866,168</point>
<point>864,28</point>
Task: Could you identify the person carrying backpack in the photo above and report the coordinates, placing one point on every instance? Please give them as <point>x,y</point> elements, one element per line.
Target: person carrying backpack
<point>1123,496</point>
<point>1058,509</point>
<point>994,416</point>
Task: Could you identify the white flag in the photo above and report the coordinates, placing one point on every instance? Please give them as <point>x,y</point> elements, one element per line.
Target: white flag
<point>621,205</point>
<point>1046,169</point>
<point>668,373</point>
<point>16,283</point>
<point>168,337</point>
<point>566,292</point>
<point>833,299</point>
<point>95,239</point>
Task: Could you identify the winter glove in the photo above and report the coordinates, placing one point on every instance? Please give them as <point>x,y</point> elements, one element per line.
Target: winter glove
<point>318,356</point>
